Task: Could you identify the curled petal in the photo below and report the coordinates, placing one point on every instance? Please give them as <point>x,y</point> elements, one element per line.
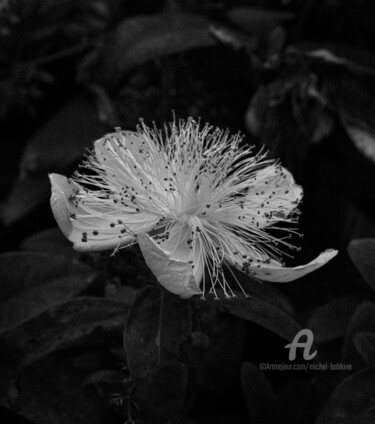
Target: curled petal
<point>276,273</point>
<point>91,229</point>
<point>173,274</point>
<point>61,190</point>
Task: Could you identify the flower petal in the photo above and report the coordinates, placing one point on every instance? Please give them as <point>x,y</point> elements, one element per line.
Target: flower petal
<point>131,160</point>
<point>61,190</point>
<point>109,153</point>
<point>91,229</point>
<point>274,193</point>
<point>276,273</point>
<point>122,152</point>
<point>173,274</point>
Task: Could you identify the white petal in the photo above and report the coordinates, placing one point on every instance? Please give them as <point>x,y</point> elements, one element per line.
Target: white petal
<point>178,247</point>
<point>276,273</point>
<point>130,158</point>
<point>107,150</point>
<point>73,220</point>
<point>60,192</point>
<point>273,191</point>
<point>173,274</point>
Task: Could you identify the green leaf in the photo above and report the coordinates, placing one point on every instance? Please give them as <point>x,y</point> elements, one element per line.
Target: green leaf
<point>32,282</point>
<point>158,322</point>
<point>55,147</point>
<point>143,38</point>
<point>362,253</point>
<point>363,320</point>
<point>365,344</point>
<point>330,321</point>
<point>261,312</point>
<point>82,322</point>
<point>352,401</point>
<point>260,398</point>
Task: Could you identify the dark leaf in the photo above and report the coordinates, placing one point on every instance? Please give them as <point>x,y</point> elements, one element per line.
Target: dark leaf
<point>53,391</point>
<point>214,331</point>
<point>63,139</point>
<point>259,396</point>
<point>121,292</point>
<point>158,322</point>
<point>352,401</point>
<point>225,417</point>
<point>349,86</point>
<point>287,118</point>
<point>108,384</point>
<point>26,194</point>
<point>330,321</point>
<point>82,322</point>
<point>261,312</point>
<point>32,282</point>
<point>261,289</point>
<point>276,41</point>
<point>363,320</point>
<point>258,21</point>
<point>358,61</point>
<point>362,135</point>
<point>51,241</point>
<point>56,147</point>
<point>362,253</point>
<point>324,124</point>
<point>233,39</point>
<point>257,111</point>
<point>10,416</point>
<point>355,224</point>
<point>365,344</point>
<point>144,38</point>
<point>103,377</point>
<point>297,401</point>
<point>182,420</point>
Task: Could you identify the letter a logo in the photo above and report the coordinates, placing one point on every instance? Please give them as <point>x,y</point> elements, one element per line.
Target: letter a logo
<point>307,345</point>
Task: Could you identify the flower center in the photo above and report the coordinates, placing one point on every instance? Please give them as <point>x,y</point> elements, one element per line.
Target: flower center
<point>186,207</point>
<point>185,217</point>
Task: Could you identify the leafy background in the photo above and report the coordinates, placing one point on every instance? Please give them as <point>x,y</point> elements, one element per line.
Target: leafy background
<point>296,76</point>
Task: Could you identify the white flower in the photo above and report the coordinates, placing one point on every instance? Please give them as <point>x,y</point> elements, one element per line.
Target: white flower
<point>193,198</point>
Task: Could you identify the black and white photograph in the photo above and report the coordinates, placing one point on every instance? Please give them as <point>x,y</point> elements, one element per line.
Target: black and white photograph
<point>187,211</point>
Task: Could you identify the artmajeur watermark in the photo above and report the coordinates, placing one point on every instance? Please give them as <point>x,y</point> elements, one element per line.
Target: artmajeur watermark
<point>307,345</point>
<point>307,354</point>
<point>308,366</point>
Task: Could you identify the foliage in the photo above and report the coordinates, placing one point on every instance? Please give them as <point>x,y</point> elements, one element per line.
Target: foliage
<point>93,337</point>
